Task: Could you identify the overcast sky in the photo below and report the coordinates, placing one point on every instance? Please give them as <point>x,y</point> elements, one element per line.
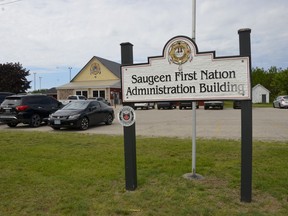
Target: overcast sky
<point>48,36</point>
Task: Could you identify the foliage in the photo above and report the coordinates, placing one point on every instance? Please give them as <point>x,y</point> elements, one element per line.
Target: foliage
<point>274,79</point>
<point>13,78</point>
<point>68,173</point>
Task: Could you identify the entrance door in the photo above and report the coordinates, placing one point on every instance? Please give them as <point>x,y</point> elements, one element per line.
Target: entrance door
<point>264,98</point>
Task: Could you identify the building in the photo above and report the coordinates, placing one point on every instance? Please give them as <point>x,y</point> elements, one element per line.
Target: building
<point>98,78</point>
<point>260,94</point>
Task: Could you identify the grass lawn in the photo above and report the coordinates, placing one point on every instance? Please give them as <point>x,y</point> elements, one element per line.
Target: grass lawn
<point>83,174</point>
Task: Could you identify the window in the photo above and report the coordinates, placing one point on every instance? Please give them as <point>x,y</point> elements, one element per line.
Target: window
<point>84,93</point>
<point>99,93</point>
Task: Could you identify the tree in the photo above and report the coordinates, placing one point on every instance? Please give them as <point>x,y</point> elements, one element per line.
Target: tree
<point>13,78</point>
<point>274,79</point>
<point>280,81</point>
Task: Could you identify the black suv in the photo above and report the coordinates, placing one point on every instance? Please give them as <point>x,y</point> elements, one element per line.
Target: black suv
<point>27,109</point>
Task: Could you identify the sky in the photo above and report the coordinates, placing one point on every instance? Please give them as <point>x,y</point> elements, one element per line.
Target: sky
<point>50,36</point>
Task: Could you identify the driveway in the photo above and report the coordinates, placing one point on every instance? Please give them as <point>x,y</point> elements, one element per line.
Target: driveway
<point>268,124</point>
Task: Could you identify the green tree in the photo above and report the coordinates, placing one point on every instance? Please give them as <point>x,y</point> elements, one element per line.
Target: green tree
<point>13,78</point>
<point>274,79</point>
<point>280,83</point>
<point>258,76</point>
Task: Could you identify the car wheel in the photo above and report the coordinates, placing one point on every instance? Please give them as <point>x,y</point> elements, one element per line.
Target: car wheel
<point>109,119</point>
<point>12,124</point>
<point>205,107</point>
<point>84,123</point>
<point>35,120</point>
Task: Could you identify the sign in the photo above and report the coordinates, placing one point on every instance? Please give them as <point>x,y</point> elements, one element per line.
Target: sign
<point>183,73</point>
<point>126,116</point>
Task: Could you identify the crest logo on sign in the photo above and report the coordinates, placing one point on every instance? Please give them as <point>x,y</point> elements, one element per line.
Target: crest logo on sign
<point>126,116</point>
<point>179,53</point>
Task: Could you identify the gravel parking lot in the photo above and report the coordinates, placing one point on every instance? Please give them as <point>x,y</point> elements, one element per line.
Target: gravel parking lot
<point>268,124</point>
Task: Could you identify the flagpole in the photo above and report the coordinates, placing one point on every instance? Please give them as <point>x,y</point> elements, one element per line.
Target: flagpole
<point>193,175</point>
<point>194,103</point>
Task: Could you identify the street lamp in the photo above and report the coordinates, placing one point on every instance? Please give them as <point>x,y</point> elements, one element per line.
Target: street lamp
<point>70,68</point>
<point>40,83</point>
<point>34,81</point>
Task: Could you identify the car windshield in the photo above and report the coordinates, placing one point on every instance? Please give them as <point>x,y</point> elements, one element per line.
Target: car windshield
<point>76,105</point>
<point>286,97</point>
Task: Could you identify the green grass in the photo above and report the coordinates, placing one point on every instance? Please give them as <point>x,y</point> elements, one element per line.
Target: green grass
<point>83,174</point>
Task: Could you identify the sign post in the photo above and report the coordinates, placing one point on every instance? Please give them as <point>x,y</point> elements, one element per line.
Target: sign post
<point>246,126</point>
<point>129,131</point>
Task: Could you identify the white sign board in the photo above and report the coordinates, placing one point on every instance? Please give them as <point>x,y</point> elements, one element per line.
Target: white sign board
<point>183,73</point>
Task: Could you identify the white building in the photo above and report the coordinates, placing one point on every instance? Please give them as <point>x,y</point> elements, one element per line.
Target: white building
<point>260,94</point>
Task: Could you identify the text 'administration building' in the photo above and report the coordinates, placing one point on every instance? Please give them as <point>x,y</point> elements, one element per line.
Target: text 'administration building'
<point>98,78</point>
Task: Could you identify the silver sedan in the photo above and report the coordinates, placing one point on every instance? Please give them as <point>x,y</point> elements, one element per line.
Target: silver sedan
<point>281,102</point>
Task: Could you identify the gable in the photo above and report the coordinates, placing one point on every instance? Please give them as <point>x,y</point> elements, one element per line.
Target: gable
<point>95,70</point>
<point>259,88</point>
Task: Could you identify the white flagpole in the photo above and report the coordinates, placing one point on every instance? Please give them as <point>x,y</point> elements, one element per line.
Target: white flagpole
<point>194,103</point>
<point>193,175</point>
<point>194,20</point>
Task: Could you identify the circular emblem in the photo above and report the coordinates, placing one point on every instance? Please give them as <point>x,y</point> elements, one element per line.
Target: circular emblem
<point>179,53</point>
<point>126,116</point>
<point>95,69</point>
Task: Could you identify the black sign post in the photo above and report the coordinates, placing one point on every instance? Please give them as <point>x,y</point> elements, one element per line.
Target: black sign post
<point>246,126</point>
<point>129,132</point>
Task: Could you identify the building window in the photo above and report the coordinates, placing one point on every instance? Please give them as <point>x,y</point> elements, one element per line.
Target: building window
<point>84,93</point>
<point>99,93</point>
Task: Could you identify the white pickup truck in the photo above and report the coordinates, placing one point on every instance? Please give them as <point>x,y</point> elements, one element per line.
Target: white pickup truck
<point>73,97</point>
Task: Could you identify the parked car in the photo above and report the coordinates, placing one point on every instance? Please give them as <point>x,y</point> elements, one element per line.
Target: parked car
<point>72,98</point>
<point>166,105</point>
<point>281,101</point>
<point>236,104</point>
<point>27,109</point>
<point>82,114</point>
<point>3,95</point>
<point>187,104</point>
<point>213,104</point>
<point>100,99</point>
<point>144,105</point>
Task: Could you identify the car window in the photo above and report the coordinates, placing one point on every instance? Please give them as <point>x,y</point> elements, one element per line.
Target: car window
<point>12,101</point>
<point>98,105</point>
<point>94,104</point>
<point>52,100</point>
<point>33,100</point>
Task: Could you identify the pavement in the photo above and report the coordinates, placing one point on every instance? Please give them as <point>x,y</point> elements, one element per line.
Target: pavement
<point>268,124</point>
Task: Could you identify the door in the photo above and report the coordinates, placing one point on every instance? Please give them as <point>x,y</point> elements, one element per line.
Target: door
<point>264,98</point>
